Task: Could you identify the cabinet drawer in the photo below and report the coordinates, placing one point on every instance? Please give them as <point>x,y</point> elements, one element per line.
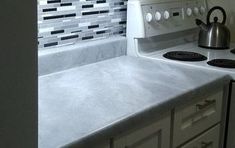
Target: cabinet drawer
<point>196,117</point>
<point>210,139</point>
<point>156,135</point>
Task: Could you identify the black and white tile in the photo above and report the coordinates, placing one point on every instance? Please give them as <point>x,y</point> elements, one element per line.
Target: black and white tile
<point>63,22</point>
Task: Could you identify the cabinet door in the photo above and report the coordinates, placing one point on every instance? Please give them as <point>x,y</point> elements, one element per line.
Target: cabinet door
<point>196,117</point>
<point>156,135</point>
<point>210,139</point>
<point>100,146</point>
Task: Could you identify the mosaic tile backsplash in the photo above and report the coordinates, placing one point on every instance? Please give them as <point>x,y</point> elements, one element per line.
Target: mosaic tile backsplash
<point>63,22</point>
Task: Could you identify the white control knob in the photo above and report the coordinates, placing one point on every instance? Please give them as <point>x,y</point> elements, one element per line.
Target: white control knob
<point>196,11</point>
<point>158,16</point>
<point>202,10</point>
<point>149,17</point>
<point>189,11</point>
<point>166,15</point>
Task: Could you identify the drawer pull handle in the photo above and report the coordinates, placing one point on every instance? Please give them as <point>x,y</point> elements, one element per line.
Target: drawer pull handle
<point>206,144</point>
<point>194,121</point>
<point>210,101</point>
<point>206,104</point>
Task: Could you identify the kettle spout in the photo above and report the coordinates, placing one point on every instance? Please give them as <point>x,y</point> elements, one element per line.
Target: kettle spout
<point>201,24</point>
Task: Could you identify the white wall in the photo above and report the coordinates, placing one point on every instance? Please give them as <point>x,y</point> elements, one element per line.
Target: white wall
<point>18,74</point>
<point>231,19</point>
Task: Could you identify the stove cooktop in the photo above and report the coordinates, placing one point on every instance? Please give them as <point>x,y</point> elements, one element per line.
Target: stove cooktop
<point>195,57</point>
<point>211,55</point>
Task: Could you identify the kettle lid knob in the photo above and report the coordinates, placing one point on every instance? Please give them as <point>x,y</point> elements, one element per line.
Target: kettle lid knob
<point>215,19</point>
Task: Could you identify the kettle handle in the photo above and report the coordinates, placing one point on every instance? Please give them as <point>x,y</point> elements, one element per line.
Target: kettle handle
<point>216,8</point>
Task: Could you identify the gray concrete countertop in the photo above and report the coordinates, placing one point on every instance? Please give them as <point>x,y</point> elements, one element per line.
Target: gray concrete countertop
<point>90,103</point>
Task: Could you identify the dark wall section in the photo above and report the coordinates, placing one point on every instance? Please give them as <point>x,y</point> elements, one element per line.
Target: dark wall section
<point>18,74</point>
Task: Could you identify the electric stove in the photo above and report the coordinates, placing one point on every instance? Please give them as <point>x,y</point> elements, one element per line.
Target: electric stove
<point>165,30</point>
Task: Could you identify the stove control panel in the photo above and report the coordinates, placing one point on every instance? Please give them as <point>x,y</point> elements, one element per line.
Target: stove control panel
<point>159,17</point>
<point>168,17</point>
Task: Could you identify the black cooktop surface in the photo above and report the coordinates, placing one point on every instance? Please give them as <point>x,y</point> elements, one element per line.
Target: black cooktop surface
<point>224,63</point>
<point>233,51</point>
<point>184,56</point>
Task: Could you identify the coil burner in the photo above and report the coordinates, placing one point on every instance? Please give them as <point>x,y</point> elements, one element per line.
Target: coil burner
<point>184,56</point>
<point>224,63</point>
<point>233,51</point>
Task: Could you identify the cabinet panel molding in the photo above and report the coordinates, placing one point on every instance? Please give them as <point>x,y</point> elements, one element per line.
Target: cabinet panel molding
<point>156,135</point>
<point>209,139</point>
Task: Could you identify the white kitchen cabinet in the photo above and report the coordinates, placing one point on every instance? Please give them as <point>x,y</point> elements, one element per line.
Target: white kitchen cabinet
<point>209,139</point>
<point>107,145</point>
<point>104,146</point>
<point>156,135</point>
<point>191,120</point>
<point>195,124</point>
<point>100,146</point>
